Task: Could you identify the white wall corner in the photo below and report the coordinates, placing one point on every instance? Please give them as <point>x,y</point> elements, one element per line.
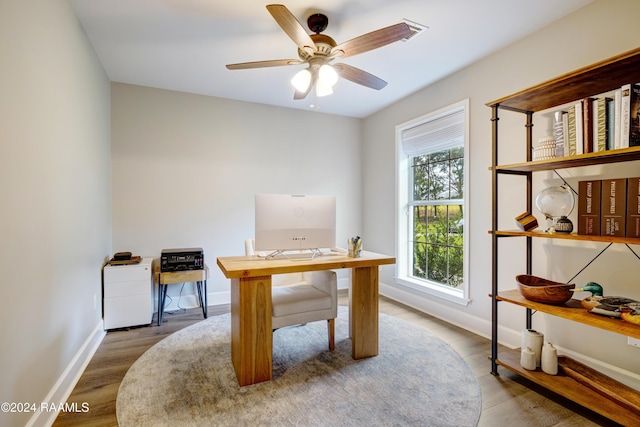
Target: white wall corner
<point>58,395</point>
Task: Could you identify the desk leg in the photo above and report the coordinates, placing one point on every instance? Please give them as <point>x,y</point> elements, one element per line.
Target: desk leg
<point>251,334</point>
<point>363,312</point>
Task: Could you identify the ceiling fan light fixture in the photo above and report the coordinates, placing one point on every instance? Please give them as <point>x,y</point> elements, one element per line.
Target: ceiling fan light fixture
<point>323,89</point>
<point>301,80</point>
<point>318,50</point>
<point>328,75</point>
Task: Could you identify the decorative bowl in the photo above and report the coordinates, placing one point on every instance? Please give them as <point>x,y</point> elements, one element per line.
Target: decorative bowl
<point>542,290</point>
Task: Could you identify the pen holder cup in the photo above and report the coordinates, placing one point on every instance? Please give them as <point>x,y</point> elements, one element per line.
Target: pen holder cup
<point>354,248</point>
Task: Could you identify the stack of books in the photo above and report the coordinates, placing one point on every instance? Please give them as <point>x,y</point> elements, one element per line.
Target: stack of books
<point>609,207</point>
<point>605,122</point>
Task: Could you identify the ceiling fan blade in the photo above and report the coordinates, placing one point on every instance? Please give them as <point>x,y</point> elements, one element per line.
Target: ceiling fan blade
<point>303,94</point>
<point>359,76</point>
<point>264,64</point>
<point>372,40</point>
<point>291,26</point>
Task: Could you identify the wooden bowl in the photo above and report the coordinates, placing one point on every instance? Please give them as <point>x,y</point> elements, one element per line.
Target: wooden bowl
<point>542,290</point>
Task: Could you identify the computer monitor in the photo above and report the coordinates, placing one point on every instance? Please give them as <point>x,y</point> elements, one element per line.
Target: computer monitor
<point>292,222</point>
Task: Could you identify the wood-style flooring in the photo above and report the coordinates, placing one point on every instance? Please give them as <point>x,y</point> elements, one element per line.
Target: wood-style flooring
<point>507,400</point>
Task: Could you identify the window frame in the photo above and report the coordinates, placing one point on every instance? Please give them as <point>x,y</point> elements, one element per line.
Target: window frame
<point>404,189</point>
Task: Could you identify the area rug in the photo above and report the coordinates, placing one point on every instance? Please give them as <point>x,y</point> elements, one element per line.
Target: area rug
<point>187,379</point>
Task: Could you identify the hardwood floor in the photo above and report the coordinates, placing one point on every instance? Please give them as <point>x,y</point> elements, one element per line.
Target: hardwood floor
<point>507,399</point>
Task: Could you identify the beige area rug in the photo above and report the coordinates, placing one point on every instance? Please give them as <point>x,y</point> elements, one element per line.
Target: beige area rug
<point>187,379</point>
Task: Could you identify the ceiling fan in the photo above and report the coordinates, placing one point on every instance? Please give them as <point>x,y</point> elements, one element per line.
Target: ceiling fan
<point>319,50</point>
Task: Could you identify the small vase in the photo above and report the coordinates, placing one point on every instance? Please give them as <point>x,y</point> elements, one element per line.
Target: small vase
<point>528,359</point>
<point>549,359</point>
<point>534,340</point>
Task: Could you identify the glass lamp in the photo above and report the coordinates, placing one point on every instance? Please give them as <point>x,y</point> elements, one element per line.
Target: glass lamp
<point>556,203</point>
<point>327,75</point>
<point>327,78</point>
<point>323,89</point>
<point>301,80</point>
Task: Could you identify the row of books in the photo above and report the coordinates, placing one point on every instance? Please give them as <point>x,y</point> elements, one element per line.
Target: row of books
<point>609,207</point>
<point>600,123</point>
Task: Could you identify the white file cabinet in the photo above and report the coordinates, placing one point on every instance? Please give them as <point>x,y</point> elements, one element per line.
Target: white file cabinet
<point>128,294</point>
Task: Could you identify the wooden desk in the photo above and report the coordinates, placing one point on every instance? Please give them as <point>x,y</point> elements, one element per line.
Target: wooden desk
<point>251,332</point>
<point>165,278</point>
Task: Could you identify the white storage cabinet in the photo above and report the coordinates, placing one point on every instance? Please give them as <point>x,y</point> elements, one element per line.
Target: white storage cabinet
<point>127,294</point>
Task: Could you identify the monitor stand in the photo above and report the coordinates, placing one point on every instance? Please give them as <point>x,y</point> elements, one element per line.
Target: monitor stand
<point>295,256</point>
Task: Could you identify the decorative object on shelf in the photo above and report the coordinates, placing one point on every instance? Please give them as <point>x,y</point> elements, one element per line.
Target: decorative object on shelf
<point>533,340</point>
<point>595,289</point>
<point>556,203</point>
<point>528,359</point>
<point>544,291</point>
<point>549,361</point>
<point>631,313</point>
<point>563,225</point>
<point>558,132</point>
<point>607,306</point>
<point>545,149</point>
<point>526,221</point>
<point>604,385</point>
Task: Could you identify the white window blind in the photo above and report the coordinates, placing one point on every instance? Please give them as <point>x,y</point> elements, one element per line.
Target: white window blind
<point>439,134</point>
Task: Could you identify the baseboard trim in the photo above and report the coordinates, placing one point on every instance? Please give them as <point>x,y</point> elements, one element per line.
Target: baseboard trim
<point>58,395</point>
<point>477,325</point>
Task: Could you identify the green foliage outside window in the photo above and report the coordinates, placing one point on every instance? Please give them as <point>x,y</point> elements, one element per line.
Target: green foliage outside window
<point>438,217</point>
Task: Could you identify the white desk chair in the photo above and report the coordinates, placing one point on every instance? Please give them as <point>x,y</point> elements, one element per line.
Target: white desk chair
<point>300,298</point>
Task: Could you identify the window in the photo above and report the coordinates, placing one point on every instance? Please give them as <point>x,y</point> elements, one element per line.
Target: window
<point>432,203</point>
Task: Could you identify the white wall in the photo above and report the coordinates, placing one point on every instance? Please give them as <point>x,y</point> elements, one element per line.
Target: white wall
<point>599,31</point>
<point>54,192</point>
<point>186,168</point>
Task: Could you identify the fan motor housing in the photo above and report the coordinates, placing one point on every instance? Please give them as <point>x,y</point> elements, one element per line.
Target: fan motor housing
<point>323,43</point>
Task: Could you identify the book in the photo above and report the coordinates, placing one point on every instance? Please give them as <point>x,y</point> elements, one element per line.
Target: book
<point>589,207</point>
<point>588,104</point>
<point>634,121</point>
<point>617,101</point>
<point>558,132</point>
<point>571,127</point>
<point>629,116</point>
<point>633,208</point>
<point>613,207</point>
<point>610,123</point>
<point>579,128</point>
<point>600,122</point>
<point>565,132</point>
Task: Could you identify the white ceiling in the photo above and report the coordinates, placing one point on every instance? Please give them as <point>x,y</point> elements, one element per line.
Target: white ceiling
<point>184,45</point>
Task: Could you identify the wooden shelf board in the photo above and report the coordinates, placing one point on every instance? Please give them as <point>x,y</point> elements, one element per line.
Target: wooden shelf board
<point>588,159</point>
<point>594,79</point>
<point>569,388</point>
<point>572,236</point>
<point>572,310</point>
